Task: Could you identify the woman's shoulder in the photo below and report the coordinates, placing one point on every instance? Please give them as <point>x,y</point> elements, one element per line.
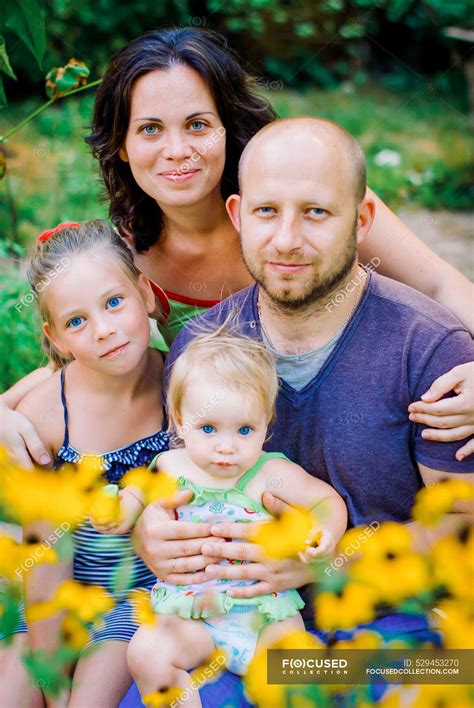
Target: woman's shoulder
<point>42,406</point>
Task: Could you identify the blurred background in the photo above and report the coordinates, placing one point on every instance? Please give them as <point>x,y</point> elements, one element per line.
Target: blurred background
<point>398,74</point>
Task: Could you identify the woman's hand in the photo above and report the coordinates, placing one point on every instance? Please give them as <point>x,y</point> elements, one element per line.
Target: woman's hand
<point>453,417</point>
<point>271,576</point>
<point>21,439</point>
<point>171,548</point>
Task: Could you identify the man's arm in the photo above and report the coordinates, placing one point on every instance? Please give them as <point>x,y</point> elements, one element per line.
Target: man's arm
<point>463,512</point>
<point>404,257</point>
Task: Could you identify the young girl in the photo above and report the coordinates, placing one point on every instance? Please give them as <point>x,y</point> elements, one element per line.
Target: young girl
<point>221,399</point>
<point>104,400</point>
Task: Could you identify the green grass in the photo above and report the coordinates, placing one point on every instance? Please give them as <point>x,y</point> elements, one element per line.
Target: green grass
<point>52,177</point>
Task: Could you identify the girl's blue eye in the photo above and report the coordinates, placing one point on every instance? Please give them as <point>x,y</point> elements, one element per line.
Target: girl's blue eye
<point>75,322</point>
<point>207,429</point>
<point>245,430</point>
<point>114,301</point>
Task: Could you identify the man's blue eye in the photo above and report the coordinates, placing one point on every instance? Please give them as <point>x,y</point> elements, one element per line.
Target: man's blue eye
<point>75,322</point>
<point>318,211</point>
<point>207,429</point>
<point>245,430</point>
<point>114,301</point>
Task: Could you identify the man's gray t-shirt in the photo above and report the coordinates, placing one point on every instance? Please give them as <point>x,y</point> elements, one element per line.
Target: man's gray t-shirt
<point>298,369</point>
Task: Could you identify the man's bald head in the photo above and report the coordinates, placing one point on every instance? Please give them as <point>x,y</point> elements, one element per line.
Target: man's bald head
<point>308,136</point>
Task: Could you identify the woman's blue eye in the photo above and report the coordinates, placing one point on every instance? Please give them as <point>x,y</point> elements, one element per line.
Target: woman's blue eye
<point>207,429</point>
<point>245,430</point>
<point>75,322</point>
<point>114,301</point>
<point>198,123</point>
<point>150,129</point>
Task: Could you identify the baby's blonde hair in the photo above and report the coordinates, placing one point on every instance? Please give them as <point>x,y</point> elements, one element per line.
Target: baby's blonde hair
<point>242,363</point>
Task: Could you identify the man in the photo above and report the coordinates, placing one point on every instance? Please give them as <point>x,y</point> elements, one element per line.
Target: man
<point>353,349</point>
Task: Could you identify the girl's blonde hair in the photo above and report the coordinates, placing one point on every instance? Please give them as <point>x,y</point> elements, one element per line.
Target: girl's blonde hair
<point>52,256</point>
<point>244,364</point>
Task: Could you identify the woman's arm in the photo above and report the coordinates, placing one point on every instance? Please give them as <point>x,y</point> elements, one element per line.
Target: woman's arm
<point>404,257</point>
<point>12,397</point>
<point>19,434</point>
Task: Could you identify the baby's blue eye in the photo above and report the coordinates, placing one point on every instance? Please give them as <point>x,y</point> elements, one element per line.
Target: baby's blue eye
<point>207,429</point>
<point>75,322</point>
<point>114,301</point>
<point>245,430</point>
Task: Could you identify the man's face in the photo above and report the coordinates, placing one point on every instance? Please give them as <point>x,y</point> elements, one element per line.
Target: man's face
<point>298,219</point>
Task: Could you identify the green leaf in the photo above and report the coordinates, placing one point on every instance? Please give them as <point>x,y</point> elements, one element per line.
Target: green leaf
<point>3,98</point>
<point>26,19</point>
<point>49,670</point>
<point>5,65</point>
<point>397,8</point>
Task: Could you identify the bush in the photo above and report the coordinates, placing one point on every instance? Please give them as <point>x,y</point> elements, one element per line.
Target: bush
<point>20,347</point>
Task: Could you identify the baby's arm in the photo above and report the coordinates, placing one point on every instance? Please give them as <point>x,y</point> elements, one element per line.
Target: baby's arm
<point>300,489</point>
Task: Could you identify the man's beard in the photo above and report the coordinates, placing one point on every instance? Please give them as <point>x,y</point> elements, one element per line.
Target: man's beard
<point>320,287</point>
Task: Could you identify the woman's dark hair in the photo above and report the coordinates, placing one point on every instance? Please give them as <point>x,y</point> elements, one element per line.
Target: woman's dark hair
<point>242,111</point>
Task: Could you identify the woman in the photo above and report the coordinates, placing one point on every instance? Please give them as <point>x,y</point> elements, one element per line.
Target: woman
<point>172,115</point>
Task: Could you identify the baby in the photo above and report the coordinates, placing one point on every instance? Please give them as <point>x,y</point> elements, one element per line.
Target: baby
<point>221,399</point>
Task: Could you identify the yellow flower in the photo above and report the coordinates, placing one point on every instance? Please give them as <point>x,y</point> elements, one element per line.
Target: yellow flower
<point>434,501</point>
<point>86,602</point>
<point>155,486</point>
<point>285,536</point>
<point>393,578</point>
<point>40,611</point>
<point>162,698</point>
<point>36,495</point>
<point>104,507</point>
<point>18,558</point>
<point>142,610</point>
<point>457,623</point>
<point>452,563</point>
<point>355,605</point>
<point>390,538</point>
<point>271,695</point>
<point>443,696</point>
<point>73,632</point>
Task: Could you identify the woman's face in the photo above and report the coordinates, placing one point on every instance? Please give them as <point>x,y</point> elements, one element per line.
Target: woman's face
<point>175,142</point>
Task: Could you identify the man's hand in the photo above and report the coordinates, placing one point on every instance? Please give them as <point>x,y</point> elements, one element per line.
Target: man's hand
<point>453,417</point>
<point>271,576</point>
<point>21,439</point>
<point>171,548</point>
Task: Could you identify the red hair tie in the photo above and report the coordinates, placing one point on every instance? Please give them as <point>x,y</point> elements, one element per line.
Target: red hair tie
<point>46,235</point>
